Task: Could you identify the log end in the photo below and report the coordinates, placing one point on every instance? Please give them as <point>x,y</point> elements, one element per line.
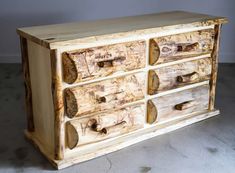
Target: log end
<point>153,82</point>
<point>71,103</point>
<point>154,52</point>
<point>72,136</point>
<point>151,112</point>
<point>70,73</point>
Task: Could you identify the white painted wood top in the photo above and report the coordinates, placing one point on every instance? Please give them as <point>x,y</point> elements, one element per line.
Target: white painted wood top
<point>53,36</point>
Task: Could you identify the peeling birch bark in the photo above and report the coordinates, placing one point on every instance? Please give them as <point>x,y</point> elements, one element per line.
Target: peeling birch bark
<point>179,46</point>
<point>179,75</point>
<point>87,64</point>
<point>107,94</point>
<point>178,104</point>
<point>215,60</point>
<point>105,125</point>
<point>27,84</point>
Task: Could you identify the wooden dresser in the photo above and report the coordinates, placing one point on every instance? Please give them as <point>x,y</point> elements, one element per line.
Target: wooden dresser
<point>96,87</point>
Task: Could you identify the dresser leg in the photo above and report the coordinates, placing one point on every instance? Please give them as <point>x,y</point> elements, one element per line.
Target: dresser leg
<point>27,84</point>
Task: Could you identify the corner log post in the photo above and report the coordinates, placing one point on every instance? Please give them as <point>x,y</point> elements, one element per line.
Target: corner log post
<point>27,84</point>
<point>215,58</point>
<point>58,102</point>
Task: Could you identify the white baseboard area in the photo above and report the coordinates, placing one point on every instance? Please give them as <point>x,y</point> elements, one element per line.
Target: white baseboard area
<point>227,57</point>
<point>10,58</point>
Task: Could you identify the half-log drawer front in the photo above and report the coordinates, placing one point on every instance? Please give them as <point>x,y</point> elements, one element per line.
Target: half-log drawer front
<point>105,125</point>
<point>178,75</point>
<point>107,94</point>
<point>178,104</point>
<point>179,46</point>
<point>87,64</point>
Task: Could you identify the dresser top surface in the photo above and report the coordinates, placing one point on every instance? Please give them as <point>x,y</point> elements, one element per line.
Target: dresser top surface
<point>48,35</point>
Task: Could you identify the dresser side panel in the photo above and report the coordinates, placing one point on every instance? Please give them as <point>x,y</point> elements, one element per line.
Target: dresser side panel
<point>43,110</point>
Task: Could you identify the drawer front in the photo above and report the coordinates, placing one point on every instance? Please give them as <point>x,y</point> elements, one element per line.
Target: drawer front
<point>104,125</point>
<point>107,94</point>
<point>87,64</point>
<point>179,46</point>
<point>178,104</point>
<point>178,75</point>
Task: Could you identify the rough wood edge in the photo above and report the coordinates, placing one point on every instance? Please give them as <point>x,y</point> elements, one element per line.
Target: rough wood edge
<point>147,133</point>
<point>214,66</point>
<point>27,84</point>
<point>118,35</point>
<point>66,42</point>
<point>58,102</point>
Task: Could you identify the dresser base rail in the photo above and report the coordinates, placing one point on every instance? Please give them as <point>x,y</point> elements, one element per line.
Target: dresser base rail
<point>120,142</point>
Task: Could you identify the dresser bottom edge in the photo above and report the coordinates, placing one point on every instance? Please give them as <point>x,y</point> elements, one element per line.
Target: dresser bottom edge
<point>148,133</point>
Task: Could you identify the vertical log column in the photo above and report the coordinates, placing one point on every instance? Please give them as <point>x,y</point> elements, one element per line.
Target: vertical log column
<point>57,94</point>
<point>214,66</point>
<point>27,84</point>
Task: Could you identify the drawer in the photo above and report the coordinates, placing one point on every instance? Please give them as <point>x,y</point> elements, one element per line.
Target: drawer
<point>179,46</point>
<point>104,125</point>
<point>178,75</point>
<point>103,95</point>
<point>178,104</point>
<point>87,64</point>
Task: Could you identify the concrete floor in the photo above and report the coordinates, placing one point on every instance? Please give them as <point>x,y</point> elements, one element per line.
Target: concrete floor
<point>207,146</point>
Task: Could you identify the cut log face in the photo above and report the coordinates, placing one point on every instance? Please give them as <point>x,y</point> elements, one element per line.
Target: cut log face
<point>107,94</point>
<point>179,46</point>
<point>151,112</point>
<point>87,64</point>
<point>178,75</point>
<point>178,104</point>
<point>105,125</point>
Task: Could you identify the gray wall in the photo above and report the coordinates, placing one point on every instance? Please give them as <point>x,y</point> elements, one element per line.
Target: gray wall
<point>21,13</point>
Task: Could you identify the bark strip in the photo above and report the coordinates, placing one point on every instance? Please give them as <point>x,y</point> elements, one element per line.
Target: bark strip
<point>214,66</point>
<point>27,84</point>
<point>58,106</point>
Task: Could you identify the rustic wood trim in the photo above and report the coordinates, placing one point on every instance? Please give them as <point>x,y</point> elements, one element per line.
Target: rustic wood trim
<point>215,58</point>
<point>27,84</point>
<point>57,95</point>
